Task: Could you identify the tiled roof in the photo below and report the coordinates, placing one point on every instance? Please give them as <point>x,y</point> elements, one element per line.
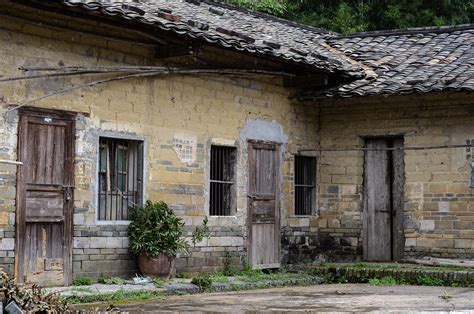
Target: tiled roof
<point>229,27</point>
<point>382,62</point>
<point>407,61</point>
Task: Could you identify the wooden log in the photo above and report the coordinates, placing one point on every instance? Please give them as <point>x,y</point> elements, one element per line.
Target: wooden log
<point>11,162</point>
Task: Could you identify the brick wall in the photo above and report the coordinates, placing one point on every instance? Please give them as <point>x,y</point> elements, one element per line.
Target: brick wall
<point>439,211</point>
<point>206,110</point>
<point>8,133</point>
<point>203,110</point>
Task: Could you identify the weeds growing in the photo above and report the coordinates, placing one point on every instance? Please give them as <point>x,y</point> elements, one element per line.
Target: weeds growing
<point>82,281</point>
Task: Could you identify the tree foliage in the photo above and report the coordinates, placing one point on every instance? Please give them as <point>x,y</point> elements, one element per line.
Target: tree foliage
<point>347,16</point>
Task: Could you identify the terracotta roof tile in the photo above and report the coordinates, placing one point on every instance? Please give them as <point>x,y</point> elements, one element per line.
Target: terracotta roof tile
<point>413,60</point>
<point>382,62</point>
<point>230,27</point>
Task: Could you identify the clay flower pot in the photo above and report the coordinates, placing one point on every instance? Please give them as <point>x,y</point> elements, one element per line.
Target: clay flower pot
<point>159,266</point>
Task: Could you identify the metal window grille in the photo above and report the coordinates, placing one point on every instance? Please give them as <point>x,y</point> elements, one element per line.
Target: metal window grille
<point>222,179</point>
<point>120,177</point>
<point>305,185</point>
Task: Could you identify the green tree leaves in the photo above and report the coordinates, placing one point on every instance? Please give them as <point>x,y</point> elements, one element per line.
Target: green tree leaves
<point>347,16</point>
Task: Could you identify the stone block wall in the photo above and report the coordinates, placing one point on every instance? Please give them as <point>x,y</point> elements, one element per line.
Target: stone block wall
<point>439,211</point>
<point>165,113</point>
<point>199,111</point>
<point>8,134</point>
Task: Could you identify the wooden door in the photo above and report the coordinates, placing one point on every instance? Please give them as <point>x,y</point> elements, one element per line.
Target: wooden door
<point>45,197</point>
<point>263,205</point>
<point>384,185</point>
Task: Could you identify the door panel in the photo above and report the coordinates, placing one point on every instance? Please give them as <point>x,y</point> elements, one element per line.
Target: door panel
<point>263,216</point>
<point>398,188</point>
<point>384,185</point>
<point>378,203</point>
<point>45,196</point>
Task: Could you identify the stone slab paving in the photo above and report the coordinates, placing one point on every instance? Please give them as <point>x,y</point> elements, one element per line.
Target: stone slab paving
<point>320,298</point>
<point>174,286</point>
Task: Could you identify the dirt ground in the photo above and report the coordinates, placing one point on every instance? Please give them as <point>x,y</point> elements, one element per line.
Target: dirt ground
<point>320,298</point>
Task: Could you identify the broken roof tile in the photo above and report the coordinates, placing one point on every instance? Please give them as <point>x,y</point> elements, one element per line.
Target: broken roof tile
<point>237,28</point>
<point>169,17</point>
<point>216,11</point>
<point>414,60</point>
<point>381,62</point>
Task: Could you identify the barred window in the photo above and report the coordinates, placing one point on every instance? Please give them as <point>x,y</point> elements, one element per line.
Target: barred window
<point>305,185</point>
<point>120,177</point>
<point>222,177</point>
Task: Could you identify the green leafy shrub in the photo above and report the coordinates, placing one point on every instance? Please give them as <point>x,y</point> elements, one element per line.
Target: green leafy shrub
<point>385,281</point>
<point>228,268</point>
<point>184,275</point>
<point>203,281</point>
<point>156,229</point>
<point>82,281</point>
<point>425,280</point>
<point>276,7</point>
<point>201,232</point>
<point>361,265</point>
<point>158,282</point>
<point>107,280</point>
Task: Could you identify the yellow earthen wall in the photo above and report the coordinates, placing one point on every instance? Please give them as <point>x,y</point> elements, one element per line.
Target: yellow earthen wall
<point>203,109</point>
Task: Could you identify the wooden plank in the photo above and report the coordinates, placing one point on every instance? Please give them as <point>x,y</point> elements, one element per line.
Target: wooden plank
<point>44,204</point>
<point>21,234</point>
<point>378,203</point>
<point>398,188</point>
<point>10,162</point>
<point>251,165</point>
<point>263,212</point>
<point>44,218</point>
<point>39,161</point>
<point>58,156</point>
<point>70,139</point>
<point>49,152</point>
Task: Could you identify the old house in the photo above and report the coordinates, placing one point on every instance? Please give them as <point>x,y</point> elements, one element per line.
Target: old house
<point>299,144</point>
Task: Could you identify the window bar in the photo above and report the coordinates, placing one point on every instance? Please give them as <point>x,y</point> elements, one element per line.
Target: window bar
<point>140,161</point>
<point>127,173</point>
<point>218,186</point>
<point>111,177</point>
<point>100,180</point>
<point>134,181</point>
<point>123,179</point>
<point>130,189</point>
<point>99,205</point>
<point>221,194</point>
<point>119,181</point>
<point>114,213</point>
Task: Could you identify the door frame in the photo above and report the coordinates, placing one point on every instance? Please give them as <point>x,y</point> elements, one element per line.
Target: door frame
<point>22,137</point>
<point>250,144</point>
<point>397,239</point>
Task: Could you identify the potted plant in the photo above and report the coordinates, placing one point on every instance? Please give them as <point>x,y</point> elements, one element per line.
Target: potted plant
<point>156,236</point>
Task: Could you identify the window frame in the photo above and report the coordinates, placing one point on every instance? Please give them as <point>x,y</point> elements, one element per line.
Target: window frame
<point>123,137</point>
<point>314,186</point>
<point>233,182</point>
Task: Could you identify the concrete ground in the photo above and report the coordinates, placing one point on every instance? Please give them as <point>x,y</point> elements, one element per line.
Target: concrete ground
<point>319,298</point>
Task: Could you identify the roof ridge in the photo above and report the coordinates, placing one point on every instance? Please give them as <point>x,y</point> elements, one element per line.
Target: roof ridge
<point>409,31</point>
<point>226,4</point>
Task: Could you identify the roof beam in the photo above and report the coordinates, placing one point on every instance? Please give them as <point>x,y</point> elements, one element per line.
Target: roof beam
<point>172,51</point>
<point>305,81</point>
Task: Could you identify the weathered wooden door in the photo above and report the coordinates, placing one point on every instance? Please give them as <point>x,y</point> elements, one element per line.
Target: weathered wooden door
<point>45,197</point>
<point>263,205</point>
<point>384,185</point>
